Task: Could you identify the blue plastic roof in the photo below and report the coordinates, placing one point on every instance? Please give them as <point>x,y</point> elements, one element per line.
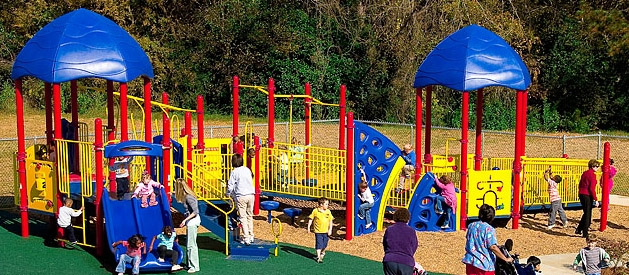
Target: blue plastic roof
<point>82,44</point>
<point>473,58</point>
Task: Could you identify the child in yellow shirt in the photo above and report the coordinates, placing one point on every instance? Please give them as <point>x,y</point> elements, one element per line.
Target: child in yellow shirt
<point>322,219</point>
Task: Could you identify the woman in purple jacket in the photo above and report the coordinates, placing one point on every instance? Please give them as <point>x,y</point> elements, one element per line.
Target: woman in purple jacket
<point>400,244</point>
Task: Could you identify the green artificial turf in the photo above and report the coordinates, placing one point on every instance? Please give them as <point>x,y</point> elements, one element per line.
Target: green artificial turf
<point>35,255</point>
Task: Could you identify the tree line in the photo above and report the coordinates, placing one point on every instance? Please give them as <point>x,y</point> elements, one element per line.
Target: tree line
<point>577,54</point>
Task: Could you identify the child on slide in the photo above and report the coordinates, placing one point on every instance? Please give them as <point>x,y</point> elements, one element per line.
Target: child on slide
<point>145,190</point>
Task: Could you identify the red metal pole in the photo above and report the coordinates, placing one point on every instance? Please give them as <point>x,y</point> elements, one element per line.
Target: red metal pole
<point>418,133</point>
<point>271,113</point>
<point>308,125</point>
<point>342,118</point>
<point>349,180</point>
<point>517,163</point>
<point>124,128</point>
<point>166,158</point>
<point>98,155</point>
<point>465,107</point>
<point>148,134</point>
<point>235,83</point>
<point>21,157</point>
<point>428,134</point>
<point>523,127</point>
<point>478,155</point>
<point>188,125</point>
<point>200,134</point>
<point>56,96</point>
<point>256,204</point>
<point>605,183</point>
<point>111,121</point>
<point>165,102</point>
<point>48,103</point>
<point>75,122</point>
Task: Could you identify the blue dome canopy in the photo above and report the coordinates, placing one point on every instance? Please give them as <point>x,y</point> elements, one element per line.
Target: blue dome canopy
<point>473,58</point>
<point>82,44</point>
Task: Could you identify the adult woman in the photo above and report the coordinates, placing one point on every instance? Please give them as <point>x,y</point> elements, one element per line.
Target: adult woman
<point>184,194</point>
<point>587,195</point>
<point>481,242</point>
<point>400,244</point>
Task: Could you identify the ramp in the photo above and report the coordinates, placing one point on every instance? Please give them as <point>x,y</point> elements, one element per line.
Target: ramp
<point>125,218</point>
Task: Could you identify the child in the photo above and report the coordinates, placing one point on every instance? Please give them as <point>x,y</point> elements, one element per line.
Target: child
<point>65,219</point>
<point>237,146</point>
<point>409,167</point>
<point>121,166</point>
<point>591,257</point>
<point>448,196</point>
<point>283,161</point>
<point>503,267</point>
<point>145,190</point>
<point>322,218</point>
<point>165,249</point>
<point>536,263</point>
<point>366,199</point>
<point>135,248</point>
<point>555,199</point>
<point>240,187</point>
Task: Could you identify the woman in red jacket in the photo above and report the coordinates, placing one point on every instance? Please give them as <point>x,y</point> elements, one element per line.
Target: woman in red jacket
<point>587,196</point>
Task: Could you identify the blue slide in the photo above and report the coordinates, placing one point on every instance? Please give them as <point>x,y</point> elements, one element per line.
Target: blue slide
<point>125,218</point>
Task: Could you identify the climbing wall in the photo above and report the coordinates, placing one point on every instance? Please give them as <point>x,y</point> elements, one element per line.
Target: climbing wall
<point>422,207</point>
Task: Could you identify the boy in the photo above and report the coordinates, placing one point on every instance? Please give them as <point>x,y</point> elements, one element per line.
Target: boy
<point>555,199</point>
<point>65,219</point>
<point>322,219</point>
<point>121,167</point>
<point>366,200</point>
<point>591,257</point>
<point>409,167</point>
<point>536,263</point>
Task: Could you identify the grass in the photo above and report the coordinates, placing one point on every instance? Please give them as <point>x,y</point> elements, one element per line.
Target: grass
<point>35,255</point>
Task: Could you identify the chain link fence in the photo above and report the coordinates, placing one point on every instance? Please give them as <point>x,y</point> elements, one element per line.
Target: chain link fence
<point>325,133</point>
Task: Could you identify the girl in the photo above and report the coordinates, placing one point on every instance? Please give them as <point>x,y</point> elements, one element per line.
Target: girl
<point>166,241</point>
<point>448,196</point>
<point>145,190</point>
<point>135,248</point>
<point>185,195</point>
<point>240,187</point>
<point>366,200</point>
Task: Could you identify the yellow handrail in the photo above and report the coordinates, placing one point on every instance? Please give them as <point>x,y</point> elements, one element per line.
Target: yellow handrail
<point>276,234</point>
<point>160,105</point>
<point>314,100</point>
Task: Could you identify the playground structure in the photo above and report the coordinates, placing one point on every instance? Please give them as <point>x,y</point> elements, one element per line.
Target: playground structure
<point>80,169</point>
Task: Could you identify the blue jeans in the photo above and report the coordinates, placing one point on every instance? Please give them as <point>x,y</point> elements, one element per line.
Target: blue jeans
<point>365,210</point>
<point>442,206</point>
<point>134,261</point>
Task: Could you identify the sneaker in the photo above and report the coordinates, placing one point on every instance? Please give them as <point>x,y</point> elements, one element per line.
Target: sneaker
<point>120,273</point>
<point>551,226</point>
<point>247,242</point>
<point>566,224</point>
<point>368,226</point>
<point>445,226</point>
<point>176,268</point>
<point>361,217</point>
<point>319,260</point>
<point>192,270</point>
<point>144,205</point>
<point>160,260</point>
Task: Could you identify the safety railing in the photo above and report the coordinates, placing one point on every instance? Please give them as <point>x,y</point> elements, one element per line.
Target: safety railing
<point>306,171</point>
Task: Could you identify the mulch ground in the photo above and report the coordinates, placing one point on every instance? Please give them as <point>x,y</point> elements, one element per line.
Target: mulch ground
<point>442,252</point>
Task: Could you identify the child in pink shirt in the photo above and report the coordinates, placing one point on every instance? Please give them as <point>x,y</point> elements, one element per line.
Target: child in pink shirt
<point>145,190</point>
<point>555,199</point>
<point>135,248</point>
<point>447,196</point>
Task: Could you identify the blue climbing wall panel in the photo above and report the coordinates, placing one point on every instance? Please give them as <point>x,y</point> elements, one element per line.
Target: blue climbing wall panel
<point>377,155</point>
<point>422,208</point>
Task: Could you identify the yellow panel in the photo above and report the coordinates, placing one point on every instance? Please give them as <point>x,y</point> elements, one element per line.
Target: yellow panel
<point>41,185</point>
<point>489,187</point>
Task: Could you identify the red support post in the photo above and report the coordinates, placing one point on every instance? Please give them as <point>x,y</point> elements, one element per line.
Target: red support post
<point>478,155</point>
<point>111,121</point>
<point>200,130</point>
<point>523,127</point>
<point>517,162</point>
<point>418,133</point>
<point>465,108</point>
<point>235,84</point>
<point>428,134</point>
<point>166,158</point>
<point>98,156</point>
<point>56,96</point>
<point>605,183</point>
<point>188,125</point>
<point>271,113</point>
<point>308,125</point>
<point>124,128</point>
<point>148,134</point>
<point>165,102</point>
<point>256,204</point>
<point>21,157</point>
<point>349,180</point>
<point>75,122</point>
<point>48,103</point>
<point>342,118</point>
